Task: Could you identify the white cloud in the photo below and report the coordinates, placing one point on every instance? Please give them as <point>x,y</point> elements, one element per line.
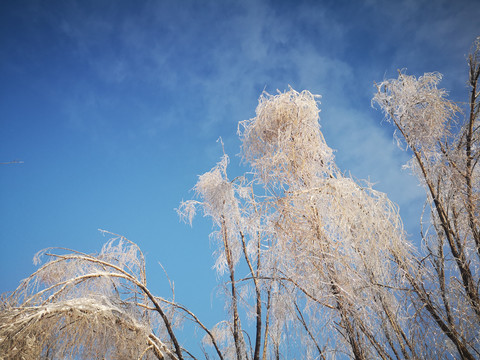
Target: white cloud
<point>214,60</point>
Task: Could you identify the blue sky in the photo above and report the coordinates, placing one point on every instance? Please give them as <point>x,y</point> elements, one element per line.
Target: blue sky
<point>115,108</point>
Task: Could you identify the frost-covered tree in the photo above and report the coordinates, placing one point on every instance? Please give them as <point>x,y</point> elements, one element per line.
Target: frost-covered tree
<point>444,141</point>
<point>326,256</point>
<point>314,264</point>
<point>88,306</point>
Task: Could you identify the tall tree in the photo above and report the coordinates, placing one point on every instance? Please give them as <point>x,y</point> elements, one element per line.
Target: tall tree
<point>445,152</point>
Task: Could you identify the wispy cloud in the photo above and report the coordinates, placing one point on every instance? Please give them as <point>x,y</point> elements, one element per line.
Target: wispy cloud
<point>146,69</point>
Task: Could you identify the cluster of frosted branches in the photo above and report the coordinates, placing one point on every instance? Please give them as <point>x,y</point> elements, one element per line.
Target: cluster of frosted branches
<point>418,108</point>
<point>284,142</point>
<point>90,327</point>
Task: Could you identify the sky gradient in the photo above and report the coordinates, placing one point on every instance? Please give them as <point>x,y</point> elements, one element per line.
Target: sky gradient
<point>115,107</point>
